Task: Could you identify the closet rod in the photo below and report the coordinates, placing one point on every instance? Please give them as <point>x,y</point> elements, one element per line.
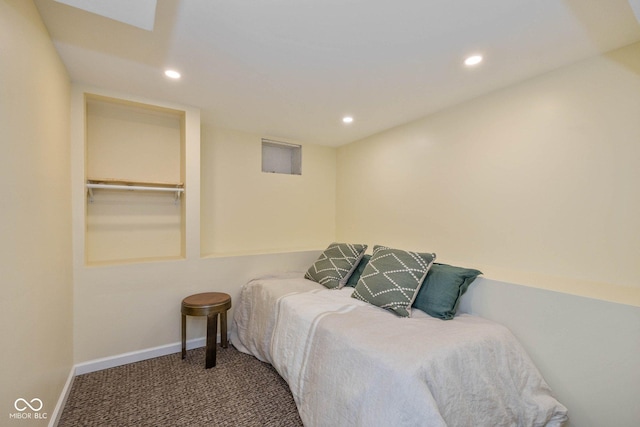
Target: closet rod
<point>134,187</point>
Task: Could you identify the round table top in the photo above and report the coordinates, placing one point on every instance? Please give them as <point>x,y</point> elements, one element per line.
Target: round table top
<point>206,299</point>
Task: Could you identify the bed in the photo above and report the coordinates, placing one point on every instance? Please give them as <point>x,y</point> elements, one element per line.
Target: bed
<point>351,363</point>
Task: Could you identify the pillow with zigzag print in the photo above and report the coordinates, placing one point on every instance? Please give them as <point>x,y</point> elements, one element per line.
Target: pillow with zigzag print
<point>392,279</point>
<point>334,266</point>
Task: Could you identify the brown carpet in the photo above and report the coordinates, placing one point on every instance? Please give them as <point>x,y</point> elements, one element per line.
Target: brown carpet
<point>169,391</point>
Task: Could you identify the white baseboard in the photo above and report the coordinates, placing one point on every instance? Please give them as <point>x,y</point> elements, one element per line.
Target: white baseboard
<point>135,356</point>
<point>62,400</point>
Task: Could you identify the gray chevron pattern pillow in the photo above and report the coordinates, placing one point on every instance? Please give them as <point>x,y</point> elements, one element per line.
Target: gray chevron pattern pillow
<point>392,279</point>
<point>334,266</point>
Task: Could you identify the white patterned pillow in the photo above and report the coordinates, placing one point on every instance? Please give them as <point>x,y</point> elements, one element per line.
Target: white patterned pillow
<point>334,266</point>
<point>393,278</point>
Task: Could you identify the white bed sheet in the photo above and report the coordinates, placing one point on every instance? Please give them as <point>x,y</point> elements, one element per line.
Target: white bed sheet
<point>350,363</point>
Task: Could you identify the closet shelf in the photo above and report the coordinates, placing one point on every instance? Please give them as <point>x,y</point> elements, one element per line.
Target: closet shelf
<point>128,185</point>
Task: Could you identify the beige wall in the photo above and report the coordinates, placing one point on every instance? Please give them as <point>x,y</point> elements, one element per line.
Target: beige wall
<point>35,248</point>
<point>122,308</point>
<point>245,210</point>
<point>135,307</point>
<point>537,182</point>
<point>131,142</point>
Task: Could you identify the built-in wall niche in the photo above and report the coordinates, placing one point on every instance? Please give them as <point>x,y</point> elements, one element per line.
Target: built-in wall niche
<point>135,179</point>
<point>281,157</point>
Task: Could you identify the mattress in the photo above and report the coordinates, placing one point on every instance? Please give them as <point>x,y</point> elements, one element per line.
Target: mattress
<point>353,364</point>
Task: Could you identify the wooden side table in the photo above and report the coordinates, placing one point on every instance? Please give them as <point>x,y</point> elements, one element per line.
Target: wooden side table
<point>208,304</point>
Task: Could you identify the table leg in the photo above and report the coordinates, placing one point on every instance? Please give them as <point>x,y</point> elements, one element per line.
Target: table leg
<point>212,331</point>
<point>223,330</point>
<point>184,336</point>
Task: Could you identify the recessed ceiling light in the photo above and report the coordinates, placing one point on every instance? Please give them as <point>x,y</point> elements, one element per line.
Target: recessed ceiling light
<point>172,74</point>
<point>473,60</point>
<point>347,119</point>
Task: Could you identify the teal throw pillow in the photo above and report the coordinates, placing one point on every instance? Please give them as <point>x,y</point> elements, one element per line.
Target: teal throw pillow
<point>392,279</point>
<point>440,293</point>
<point>334,266</point>
<point>353,279</point>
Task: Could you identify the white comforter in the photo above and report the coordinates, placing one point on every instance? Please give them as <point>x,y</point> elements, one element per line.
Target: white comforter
<point>349,363</point>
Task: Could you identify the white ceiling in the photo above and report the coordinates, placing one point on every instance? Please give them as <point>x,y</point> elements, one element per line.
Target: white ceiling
<point>291,69</point>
